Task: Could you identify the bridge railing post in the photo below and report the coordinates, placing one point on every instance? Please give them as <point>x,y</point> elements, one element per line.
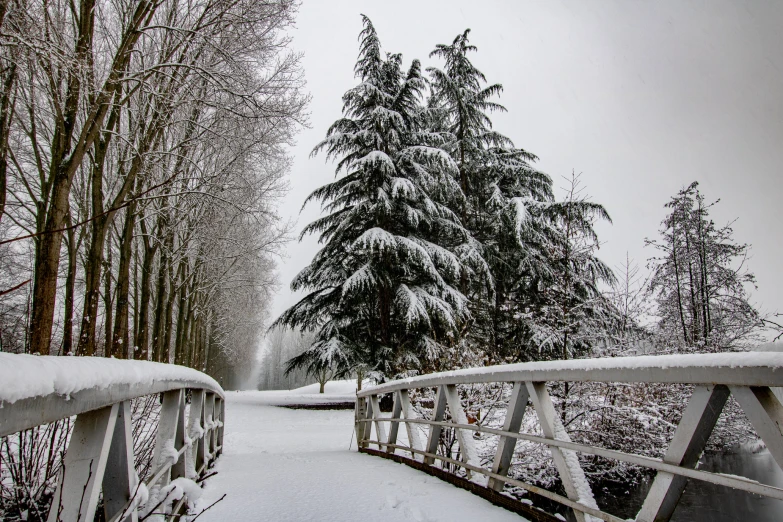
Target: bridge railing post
<point>438,413</point>
<point>571,474</point>
<point>195,457</point>
<point>360,426</point>
<point>685,449</point>
<point>213,439</point>
<point>513,422</point>
<point>222,417</point>
<point>380,429</point>
<point>120,480</point>
<point>394,426</point>
<point>165,442</point>
<point>81,477</point>
<point>412,429</point>
<point>209,414</point>
<point>467,447</point>
<point>765,413</point>
<point>178,468</point>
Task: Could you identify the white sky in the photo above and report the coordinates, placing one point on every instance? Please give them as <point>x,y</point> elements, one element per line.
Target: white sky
<point>640,97</point>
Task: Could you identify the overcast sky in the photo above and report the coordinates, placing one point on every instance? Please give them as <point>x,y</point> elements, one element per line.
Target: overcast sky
<point>642,98</point>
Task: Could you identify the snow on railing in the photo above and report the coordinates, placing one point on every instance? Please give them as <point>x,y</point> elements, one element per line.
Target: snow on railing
<point>99,459</point>
<point>746,376</point>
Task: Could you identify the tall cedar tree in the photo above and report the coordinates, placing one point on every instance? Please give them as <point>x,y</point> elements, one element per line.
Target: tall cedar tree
<point>383,293</point>
<point>571,314</point>
<point>521,233</point>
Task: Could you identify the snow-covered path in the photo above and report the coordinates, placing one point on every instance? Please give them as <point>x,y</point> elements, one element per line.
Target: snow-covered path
<point>284,465</point>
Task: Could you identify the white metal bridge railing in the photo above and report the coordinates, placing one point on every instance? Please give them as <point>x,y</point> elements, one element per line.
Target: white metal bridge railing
<point>99,459</point>
<point>746,376</point>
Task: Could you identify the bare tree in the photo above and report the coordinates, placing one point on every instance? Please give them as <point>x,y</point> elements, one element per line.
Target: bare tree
<point>152,140</point>
<point>700,279</point>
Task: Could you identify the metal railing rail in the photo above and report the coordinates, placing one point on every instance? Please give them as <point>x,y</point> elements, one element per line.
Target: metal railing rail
<point>100,459</point>
<point>746,376</point>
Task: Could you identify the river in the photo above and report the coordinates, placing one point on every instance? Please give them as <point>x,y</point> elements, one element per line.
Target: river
<point>703,502</point>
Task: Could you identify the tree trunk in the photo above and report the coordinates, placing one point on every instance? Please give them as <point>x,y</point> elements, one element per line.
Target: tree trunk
<point>163,287</point>
<point>694,308</point>
<point>70,283</point>
<point>120,337</point>
<point>92,280</point>
<point>677,286</point>
<point>182,312</point>
<point>143,317</point>
<point>194,337</point>
<point>702,249</point>
<point>207,344</point>
<point>47,264</point>
<point>136,295</point>
<point>6,113</point>
<point>168,322</point>
<point>108,348</point>
<point>63,164</point>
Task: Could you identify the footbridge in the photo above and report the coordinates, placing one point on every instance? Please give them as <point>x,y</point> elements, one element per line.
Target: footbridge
<point>142,441</point>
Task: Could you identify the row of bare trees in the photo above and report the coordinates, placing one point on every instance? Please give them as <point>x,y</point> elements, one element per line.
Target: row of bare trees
<point>142,149</point>
<point>281,346</point>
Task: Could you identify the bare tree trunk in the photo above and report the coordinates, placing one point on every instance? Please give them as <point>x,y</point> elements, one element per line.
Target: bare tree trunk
<point>108,348</point>
<point>204,356</point>
<point>677,286</point>
<point>94,261</point>
<point>182,313</point>
<point>136,295</point>
<point>705,301</point>
<point>160,307</point>
<point>120,337</point>
<point>168,322</point>
<point>70,283</point>
<point>6,113</point>
<point>164,287</point>
<point>694,308</point>
<point>194,337</point>
<point>47,264</point>
<point>142,317</point>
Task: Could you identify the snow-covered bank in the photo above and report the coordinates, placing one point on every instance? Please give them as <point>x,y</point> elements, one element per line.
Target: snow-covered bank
<point>294,465</point>
<point>335,392</point>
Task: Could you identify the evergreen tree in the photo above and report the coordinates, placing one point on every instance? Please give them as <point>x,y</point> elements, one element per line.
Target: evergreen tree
<point>699,281</point>
<point>383,290</point>
<point>571,313</point>
<point>540,294</point>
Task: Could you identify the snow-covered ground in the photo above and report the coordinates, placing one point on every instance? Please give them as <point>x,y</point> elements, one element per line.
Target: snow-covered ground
<point>290,465</point>
<point>334,392</point>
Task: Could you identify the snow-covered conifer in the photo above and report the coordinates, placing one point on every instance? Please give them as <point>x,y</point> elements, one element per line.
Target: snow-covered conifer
<point>517,228</point>
<point>383,291</point>
<point>499,184</point>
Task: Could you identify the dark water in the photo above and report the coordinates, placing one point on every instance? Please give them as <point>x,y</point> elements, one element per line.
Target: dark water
<point>703,502</point>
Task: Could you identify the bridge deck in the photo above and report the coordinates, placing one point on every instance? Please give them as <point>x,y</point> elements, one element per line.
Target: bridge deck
<point>294,465</point>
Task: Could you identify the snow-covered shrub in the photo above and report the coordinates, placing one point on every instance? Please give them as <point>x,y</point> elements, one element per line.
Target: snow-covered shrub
<point>632,418</point>
<point>31,460</point>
